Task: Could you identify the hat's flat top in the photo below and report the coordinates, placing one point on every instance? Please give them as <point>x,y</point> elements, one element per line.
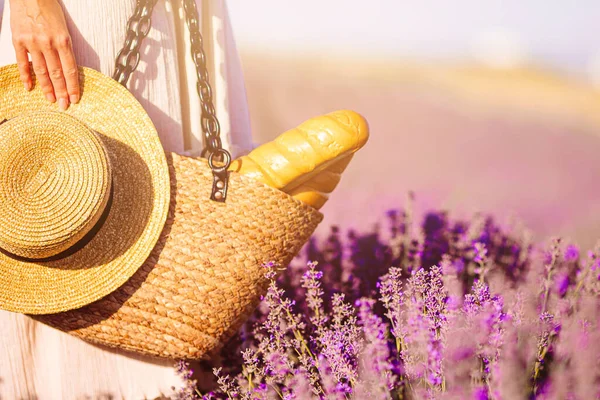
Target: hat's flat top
<point>54,183</point>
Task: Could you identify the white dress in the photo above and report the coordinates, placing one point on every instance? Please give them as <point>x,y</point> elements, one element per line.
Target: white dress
<point>37,361</point>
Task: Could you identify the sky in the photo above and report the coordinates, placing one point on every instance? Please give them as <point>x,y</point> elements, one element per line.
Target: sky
<point>563,35</point>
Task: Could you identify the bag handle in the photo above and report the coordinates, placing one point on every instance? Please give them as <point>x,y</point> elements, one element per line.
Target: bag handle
<point>128,59</point>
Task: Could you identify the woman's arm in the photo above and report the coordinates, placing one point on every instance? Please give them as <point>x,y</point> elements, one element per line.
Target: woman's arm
<point>39,28</point>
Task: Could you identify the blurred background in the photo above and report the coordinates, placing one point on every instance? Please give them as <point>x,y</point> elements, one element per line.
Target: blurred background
<point>476,106</point>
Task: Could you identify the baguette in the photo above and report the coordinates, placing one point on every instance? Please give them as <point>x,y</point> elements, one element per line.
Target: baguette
<point>301,161</point>
<point>315,192</point>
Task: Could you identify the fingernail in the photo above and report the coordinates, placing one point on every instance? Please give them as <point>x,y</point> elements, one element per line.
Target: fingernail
<point>50,97</point>
<point>63,103</point>
<point>74,99</point>
<point>27,86</point>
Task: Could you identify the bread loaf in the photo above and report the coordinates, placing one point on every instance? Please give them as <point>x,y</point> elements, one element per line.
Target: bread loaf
<point>307,161</point>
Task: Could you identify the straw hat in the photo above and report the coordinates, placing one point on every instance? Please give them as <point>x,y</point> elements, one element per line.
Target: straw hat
<point>84,193</point>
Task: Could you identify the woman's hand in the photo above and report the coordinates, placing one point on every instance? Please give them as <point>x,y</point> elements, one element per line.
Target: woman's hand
<point>39,28</point>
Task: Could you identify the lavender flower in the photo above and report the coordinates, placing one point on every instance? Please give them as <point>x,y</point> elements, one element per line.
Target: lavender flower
<point>188,390</point>
<point>340,342</point>
<point>571,253</point>
<point>376,378</point>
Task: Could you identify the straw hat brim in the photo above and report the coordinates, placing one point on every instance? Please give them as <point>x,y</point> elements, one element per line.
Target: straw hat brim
<point>138,209</point>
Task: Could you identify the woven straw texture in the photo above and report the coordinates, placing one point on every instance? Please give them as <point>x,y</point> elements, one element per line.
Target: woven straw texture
<point>205,275</point>
<point>55,180</point>
<point>139,199</point>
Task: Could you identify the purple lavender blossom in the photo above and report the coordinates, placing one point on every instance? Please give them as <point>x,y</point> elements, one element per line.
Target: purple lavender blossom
<point>375,368</point>
<point>571,253</point>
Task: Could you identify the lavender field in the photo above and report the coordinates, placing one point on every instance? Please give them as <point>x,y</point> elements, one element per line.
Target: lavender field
<point>436,308</point>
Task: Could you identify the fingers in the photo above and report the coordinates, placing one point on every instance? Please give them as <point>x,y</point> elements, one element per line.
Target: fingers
<point>55,69</point>
<point>69,69</point>
<point>24,70</point>
<point>57,78</point>
<point>41,73</point>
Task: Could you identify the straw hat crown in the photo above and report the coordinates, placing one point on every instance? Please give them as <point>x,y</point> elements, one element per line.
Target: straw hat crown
<point>55,179</point>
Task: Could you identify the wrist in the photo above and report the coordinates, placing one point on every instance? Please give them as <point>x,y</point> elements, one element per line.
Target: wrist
<point>39,3</point>
<point>32,9</point>
<point>32,4</point>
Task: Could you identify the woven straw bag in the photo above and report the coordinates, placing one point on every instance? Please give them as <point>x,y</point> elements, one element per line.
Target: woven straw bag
<point>205,275</point>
